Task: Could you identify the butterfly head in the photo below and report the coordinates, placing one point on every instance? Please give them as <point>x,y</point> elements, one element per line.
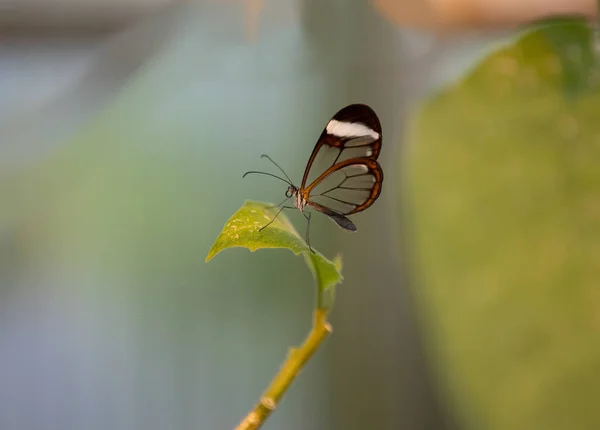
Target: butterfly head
<point>291,191</point>
<point>299,200</point>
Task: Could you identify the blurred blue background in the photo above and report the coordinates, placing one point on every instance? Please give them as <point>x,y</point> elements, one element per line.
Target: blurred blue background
<point>122,145</point>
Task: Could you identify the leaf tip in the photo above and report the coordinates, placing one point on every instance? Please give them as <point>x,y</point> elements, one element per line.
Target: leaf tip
<point>337,261</point>
<point>211,254</point>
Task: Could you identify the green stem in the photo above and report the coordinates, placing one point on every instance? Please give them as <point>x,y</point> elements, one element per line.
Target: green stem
<point>297,358</point>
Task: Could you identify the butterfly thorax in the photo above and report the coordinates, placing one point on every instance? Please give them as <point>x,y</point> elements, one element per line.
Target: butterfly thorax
<point>299,198</point>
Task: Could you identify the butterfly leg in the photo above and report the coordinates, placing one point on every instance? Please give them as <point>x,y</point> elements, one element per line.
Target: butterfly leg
<point>307,216</point>
<point>276,206</point>
<point>275,217</point>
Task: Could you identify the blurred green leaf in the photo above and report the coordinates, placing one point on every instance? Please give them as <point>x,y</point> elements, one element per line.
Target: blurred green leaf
<point>572,41</point>
<point>503,194</point>
<point>242,230</point>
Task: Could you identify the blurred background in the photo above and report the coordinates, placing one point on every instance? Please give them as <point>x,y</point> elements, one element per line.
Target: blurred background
<point>125,127</point>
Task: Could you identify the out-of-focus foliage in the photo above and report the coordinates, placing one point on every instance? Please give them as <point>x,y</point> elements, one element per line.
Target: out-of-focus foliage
<point>503,190</point>
<point>103,236</point>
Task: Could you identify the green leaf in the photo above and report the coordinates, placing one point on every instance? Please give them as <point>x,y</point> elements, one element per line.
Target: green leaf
<point>572,42</point>
<point>503,189</point>
<point>242,230</point>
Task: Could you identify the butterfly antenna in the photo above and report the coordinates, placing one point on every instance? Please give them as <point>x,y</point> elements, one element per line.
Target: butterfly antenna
<point>278,166</point>
<point>268,174</point>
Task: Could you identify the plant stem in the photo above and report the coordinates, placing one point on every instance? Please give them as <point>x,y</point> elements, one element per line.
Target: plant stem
<point>296,359</point>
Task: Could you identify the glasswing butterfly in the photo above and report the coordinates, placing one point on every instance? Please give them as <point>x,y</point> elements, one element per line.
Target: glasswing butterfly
<point>352,182</point>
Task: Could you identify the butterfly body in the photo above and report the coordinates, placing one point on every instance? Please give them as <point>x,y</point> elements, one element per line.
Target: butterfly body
<point>353,180</point>
<point>300,199</point>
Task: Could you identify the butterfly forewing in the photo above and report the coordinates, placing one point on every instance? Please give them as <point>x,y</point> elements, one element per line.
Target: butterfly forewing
<point>354,132</point>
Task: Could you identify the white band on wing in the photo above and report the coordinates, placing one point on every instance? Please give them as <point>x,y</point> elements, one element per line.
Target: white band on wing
<point>350,129</point>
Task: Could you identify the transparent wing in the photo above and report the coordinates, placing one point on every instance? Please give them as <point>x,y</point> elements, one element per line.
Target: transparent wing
<point>353,132</point>
<point>347,187</point>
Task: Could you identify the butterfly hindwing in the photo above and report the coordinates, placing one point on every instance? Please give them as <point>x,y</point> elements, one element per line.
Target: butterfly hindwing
<point>347,187</point>
<point>340,220</point>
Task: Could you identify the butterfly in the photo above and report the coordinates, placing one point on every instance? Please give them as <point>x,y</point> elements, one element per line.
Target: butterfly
<point>351,183</point>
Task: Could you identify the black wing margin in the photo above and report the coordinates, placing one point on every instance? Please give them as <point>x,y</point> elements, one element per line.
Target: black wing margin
<point>354,131</point>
